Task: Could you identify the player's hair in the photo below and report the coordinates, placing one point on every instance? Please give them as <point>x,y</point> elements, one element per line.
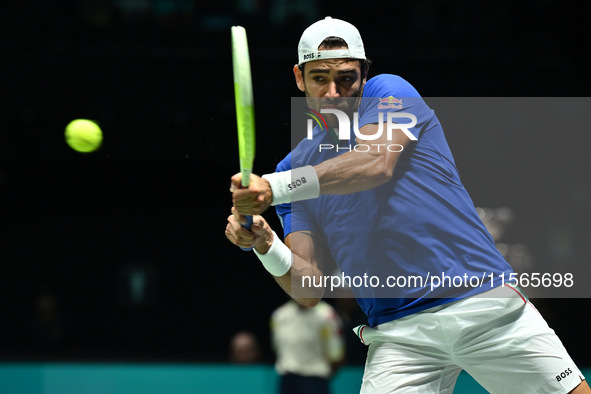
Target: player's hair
<point>333,42</point>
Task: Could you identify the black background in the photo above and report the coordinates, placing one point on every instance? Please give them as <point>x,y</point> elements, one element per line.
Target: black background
<point>156,194</point>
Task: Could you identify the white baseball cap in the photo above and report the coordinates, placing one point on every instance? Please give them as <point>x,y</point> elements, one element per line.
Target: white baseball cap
<point>329,27</point>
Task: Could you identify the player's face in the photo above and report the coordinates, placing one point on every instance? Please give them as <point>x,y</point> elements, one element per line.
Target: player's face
<point>325,82</point>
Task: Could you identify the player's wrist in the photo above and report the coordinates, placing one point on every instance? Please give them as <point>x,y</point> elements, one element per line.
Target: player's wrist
<point>265,241</point>
<point>299,184</point>
<point>268,193</point>
<point>277,258</point>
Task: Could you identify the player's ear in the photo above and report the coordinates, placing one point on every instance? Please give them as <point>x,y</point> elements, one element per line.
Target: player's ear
<point>299,77</point>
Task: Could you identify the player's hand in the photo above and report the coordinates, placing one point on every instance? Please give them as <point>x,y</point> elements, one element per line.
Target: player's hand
<point>253,200</point>
<point>260,235</point>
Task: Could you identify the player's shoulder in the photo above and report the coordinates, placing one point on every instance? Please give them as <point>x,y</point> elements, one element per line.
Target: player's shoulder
<point>384,85</point>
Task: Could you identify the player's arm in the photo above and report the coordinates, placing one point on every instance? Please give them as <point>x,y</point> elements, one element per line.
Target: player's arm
<point>356,171</point>
<point>288,262</point>
<point>348,173</point>
<point>306,263</point>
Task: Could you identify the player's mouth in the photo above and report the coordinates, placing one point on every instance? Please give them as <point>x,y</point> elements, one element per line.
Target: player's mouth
<point>341,106</point>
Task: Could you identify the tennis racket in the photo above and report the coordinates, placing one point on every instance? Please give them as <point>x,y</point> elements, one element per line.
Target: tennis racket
<point>244,107</point>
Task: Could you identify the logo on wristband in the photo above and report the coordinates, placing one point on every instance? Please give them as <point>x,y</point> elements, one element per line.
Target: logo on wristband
<point>295,183</point>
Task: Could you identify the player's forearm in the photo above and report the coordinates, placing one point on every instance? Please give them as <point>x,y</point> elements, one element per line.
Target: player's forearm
<point>303,268</point>
<point>293,272</point>
<point>295,280</point>
<point>354,172</point>
<point>348,173</point>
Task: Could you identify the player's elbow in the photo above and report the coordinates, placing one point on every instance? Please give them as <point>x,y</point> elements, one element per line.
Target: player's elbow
<point>309,297</point>
<point>382,173</point>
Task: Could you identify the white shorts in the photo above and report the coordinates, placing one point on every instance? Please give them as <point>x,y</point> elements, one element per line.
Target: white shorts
<point>498,337</point>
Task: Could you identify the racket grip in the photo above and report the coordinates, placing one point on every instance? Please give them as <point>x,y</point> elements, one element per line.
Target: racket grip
<point>248,225</point>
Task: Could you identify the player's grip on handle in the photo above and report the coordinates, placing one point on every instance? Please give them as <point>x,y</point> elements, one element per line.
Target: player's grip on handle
<point>247,225</point>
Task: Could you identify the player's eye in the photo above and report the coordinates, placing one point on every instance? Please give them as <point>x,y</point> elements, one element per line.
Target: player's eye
<point>347,79</point>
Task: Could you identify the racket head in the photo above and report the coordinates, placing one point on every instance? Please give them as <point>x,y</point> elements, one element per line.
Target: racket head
<point>244,102</point>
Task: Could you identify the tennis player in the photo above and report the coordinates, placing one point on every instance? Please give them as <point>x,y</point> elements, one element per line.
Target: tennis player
<point>401,212</point>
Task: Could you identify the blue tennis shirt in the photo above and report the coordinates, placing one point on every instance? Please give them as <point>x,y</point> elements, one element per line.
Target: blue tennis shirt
<point>418,235</point>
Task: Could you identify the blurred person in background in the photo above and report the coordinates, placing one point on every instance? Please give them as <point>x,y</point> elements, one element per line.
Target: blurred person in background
<point>244,348</point>
<point>309,345</point>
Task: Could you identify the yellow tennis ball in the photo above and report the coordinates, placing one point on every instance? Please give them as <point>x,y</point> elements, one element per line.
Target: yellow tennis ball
<point>83,135</point>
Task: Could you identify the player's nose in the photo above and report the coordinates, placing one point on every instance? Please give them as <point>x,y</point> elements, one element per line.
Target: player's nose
<point>332,90</point>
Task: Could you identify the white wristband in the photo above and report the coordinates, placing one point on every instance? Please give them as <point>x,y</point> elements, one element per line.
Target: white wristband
<point>277,260</point>
<point>294,185</point>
